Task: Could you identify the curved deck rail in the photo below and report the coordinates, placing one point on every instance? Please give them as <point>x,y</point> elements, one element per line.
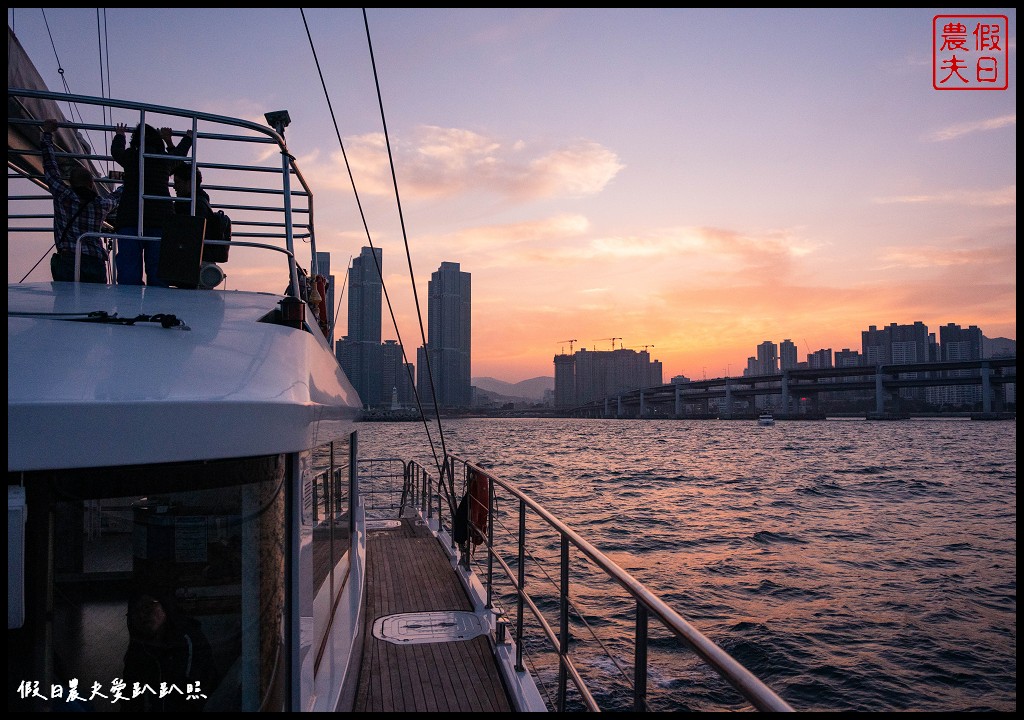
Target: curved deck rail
<point>426,493</point>
<point>216,142</point>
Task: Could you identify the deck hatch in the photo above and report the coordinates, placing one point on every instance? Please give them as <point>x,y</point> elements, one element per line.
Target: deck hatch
<point>429,627</point>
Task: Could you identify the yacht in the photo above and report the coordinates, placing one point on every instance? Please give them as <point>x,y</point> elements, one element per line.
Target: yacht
<point>198,447</point>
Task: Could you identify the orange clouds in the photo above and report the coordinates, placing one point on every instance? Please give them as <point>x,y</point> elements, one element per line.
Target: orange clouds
<point>436,162</point>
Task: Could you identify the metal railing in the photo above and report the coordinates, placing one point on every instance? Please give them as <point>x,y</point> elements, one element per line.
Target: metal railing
<point>382,484</point>
<point>264,225</point>
<point>429,496</point>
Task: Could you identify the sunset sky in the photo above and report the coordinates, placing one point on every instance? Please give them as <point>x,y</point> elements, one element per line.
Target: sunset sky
<point>694,181</point>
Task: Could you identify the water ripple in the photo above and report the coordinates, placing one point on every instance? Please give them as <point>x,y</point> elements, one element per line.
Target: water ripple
<point>853,566</point>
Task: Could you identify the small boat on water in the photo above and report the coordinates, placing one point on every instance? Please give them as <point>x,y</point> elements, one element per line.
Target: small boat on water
<point>765,418</point>
<point>190,522</point>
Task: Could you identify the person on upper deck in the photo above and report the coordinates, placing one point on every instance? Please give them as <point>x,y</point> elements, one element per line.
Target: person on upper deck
<point>132,252</point>
<point>182,182</point>
<point>77,209</point>
<point>215,230</point>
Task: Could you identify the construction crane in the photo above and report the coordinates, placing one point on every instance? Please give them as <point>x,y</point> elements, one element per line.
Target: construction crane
<point>612,339</point>
<point>570,345</point>
<point>647,346</point>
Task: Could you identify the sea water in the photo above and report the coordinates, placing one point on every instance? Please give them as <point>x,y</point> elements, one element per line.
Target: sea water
<point>851,565</point>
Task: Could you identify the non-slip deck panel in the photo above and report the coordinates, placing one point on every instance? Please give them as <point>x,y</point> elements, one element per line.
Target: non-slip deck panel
<point>407,571</point>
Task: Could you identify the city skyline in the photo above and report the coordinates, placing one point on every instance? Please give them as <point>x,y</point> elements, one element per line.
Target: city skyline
<point>365,305</point>
<point>692,180</point>
<point>833,351</point>
<point>774,378</point>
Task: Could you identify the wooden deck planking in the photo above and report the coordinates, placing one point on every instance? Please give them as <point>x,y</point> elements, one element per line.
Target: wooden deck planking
<point>407,571</point>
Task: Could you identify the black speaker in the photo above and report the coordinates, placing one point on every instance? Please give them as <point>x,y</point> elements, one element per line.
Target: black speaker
<point>181,250</point>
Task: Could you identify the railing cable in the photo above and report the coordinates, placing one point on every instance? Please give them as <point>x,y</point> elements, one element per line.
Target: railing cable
<point>572,604</point>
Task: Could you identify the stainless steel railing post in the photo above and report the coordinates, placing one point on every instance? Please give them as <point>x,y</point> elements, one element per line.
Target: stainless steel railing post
<point>421,481</point>
<point>353,482</point>
<point>563,623</point>
<point>449,465</point>
<point>490,542</point>
<point>332,493</point>
<point>430,501</point>
<point>522,585</point>
<point>727,667</point>
<point>640,660</point>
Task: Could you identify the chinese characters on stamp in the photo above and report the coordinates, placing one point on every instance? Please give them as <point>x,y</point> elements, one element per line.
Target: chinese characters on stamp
<point>970,52</point>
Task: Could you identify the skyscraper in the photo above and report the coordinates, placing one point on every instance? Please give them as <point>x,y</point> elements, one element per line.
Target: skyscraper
<point>957,343</point>
<point>900,345</point>
<point>767,358</point>
<point>365,289</point>
<point>787,355</point>
<point>592,374</point>
<point>448,337</point>
<point>820,358</point>
<point>565,381</point>
<point>359,352</point>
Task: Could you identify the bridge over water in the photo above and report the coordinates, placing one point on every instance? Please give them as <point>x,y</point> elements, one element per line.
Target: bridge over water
<point>736,395</point>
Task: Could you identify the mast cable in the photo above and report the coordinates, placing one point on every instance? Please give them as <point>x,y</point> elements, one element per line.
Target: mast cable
<point>103,42</point>
<point>412,277</point>
<point>72,110</point>
<point>341,295</point>
<point>369,239</point>
<point>52,246</point>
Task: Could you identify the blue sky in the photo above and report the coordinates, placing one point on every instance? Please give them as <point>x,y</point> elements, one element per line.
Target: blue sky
<point>698,181</point>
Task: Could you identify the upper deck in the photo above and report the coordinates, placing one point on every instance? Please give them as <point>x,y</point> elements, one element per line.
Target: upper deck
<point>238,373</point>
<point>246,169</point>
<point>231,385</point>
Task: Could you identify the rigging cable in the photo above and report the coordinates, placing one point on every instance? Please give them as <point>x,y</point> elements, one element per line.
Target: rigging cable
<point>72,110</point>
<point>103,42</point>
<point>387,297</point>
<point>341,295</point>
<point>412,282</point>
<point>52,246</point>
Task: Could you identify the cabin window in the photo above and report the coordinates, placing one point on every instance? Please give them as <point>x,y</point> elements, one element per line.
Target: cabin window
<point>171,573</point>
<point>324,546</point>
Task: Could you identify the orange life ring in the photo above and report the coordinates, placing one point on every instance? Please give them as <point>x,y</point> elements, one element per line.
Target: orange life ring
<point>479,506</point>
<point>321,289</point>
<point>321,309</point>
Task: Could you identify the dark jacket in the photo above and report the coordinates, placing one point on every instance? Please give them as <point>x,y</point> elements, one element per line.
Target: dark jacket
<point>183,658</point>
<point>214,231</point>
<point>203,208</point>
<point>157,172</point>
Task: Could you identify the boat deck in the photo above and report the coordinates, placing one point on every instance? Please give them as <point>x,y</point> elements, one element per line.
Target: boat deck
<point>407,572</point>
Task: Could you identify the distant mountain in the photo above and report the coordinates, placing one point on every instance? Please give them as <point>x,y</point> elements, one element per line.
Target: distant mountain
<point>998,347</point>
<point>532,389</point>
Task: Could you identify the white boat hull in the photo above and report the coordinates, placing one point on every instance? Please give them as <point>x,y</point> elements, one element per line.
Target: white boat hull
<point>230,386</point>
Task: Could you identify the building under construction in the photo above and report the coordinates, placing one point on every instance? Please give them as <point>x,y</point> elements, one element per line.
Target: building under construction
<point>587,375</point>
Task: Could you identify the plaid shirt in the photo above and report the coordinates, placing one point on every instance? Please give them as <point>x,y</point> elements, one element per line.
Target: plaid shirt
<point>66,204</point>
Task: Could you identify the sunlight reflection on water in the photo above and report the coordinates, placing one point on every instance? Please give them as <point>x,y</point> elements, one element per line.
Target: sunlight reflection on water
<point>852,566</point>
